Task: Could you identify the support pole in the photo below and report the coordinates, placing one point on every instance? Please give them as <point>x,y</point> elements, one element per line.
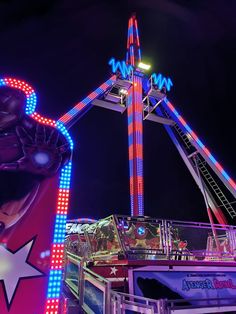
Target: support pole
<point>135,138</point>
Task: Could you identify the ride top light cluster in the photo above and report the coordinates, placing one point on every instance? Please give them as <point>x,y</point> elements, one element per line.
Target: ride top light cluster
<point>144,66</point>
<point>31,99</point>
<point>193,135</point>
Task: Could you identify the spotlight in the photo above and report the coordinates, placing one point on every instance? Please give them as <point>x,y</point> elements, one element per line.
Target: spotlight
<point>144,66</point>
<point>123,91</point>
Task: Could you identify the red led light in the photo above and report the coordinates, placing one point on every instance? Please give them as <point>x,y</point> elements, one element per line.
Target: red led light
<point>207,151</point>
<point>171,107</point>
<point>20,85</point>
<point>218,166</point>
<point>63,200</point>
<point>52,306</point>
<point>57,256</point>
<point>43,120</point>
<point>194,135</point>
<point>231,181</point>
<point>182,121</point>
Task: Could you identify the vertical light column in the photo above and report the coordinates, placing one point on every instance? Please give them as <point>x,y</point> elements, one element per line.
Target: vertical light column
<point>56,264</point>
<point>135,138</point>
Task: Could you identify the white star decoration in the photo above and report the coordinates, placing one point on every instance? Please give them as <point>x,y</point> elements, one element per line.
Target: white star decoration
<point>14,266</point>
<point>113,270</point>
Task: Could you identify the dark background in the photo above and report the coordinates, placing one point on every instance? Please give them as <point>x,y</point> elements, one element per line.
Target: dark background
<point>62,49</point>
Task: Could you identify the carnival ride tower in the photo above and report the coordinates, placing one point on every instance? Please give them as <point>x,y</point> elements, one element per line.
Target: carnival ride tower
<point>144,97</point>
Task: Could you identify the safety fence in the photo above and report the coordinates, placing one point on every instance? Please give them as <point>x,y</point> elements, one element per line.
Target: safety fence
<point>94,295</point>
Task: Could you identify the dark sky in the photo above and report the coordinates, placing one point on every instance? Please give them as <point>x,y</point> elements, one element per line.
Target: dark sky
<point>62,49</point>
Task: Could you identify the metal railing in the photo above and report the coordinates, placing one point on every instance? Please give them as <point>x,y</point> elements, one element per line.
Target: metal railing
<point>145,238</point>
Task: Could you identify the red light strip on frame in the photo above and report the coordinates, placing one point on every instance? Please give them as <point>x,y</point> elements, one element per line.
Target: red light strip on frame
<point>77,109</point>
<point>230,183</point>
<point>135,138</point>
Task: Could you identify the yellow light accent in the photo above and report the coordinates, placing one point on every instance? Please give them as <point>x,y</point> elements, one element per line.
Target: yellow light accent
<point>144,66</point>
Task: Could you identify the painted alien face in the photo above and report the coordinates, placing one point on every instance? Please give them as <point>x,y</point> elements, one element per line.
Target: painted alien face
<point>12,104</point>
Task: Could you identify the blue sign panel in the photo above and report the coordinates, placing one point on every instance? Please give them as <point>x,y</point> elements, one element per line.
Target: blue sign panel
<point>186,285</point>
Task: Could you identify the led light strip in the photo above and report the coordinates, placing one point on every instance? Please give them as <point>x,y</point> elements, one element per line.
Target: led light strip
<point>135,139</point>
<point>71,114</point>
<point>31,98</point>
<point>133,54</point>
<point>86,220</point>
<point>200,144</point>
<point>55,273</point>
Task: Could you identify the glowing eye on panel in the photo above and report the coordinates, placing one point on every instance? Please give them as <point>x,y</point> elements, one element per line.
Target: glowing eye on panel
<point>42,158</point>
<point>141,230</point>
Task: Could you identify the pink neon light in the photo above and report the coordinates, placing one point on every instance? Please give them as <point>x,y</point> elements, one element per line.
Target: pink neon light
<point>80,106</point>
<point>218,166</point>
<point>104,86</point>
<point>172,108</point>
<point>231,181</point>
<point>194,135</point>
<point>92,95</point>
<point>206,151</point>
<point>182,120</point>
<point>66,118</point>
<point>139,151</point>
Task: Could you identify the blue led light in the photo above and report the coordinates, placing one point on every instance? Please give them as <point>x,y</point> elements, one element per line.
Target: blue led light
<point>187,127</point>
<point>99,90</point>
<point>65,176</point>
<point>59,229</point>
<point>141,230</point>
<point>64,131</point>
<point>200,143</point>
<point>54,284</point>
<point>162,81</point>
<point>31,103</point>
<point>2,83</point>
<point>225,174</point>
<point>120,66</point>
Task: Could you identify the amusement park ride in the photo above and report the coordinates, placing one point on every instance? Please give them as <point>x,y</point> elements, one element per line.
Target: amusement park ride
<point>120,263</point>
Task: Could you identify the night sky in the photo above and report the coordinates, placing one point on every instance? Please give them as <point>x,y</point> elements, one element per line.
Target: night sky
<point>62,49</point>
